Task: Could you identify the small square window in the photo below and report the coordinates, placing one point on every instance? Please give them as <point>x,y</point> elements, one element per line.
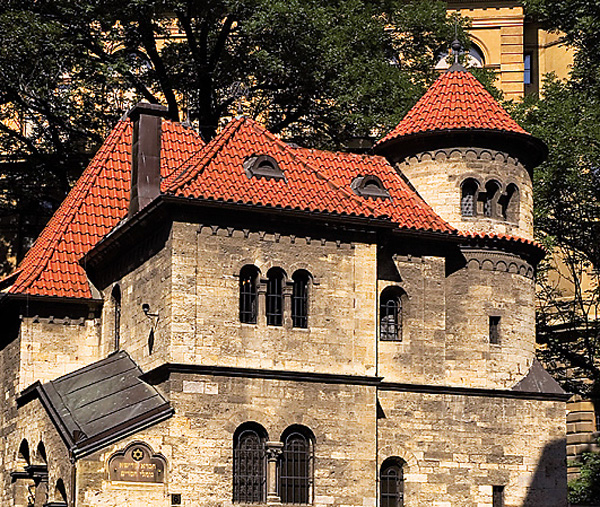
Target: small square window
<point>497,496</point>
<point>176,499</point>
<point>494,330</point>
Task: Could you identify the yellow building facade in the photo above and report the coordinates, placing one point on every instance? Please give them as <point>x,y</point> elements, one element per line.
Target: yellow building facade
<point>517,49</point>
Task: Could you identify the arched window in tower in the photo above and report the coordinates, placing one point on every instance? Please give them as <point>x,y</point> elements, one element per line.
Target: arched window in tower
<point>248,294</point>
<point>492,192</point>
<point>295,473</point>
<point>390,314</point>
<point>249,464</point>
<point>275,278</point>
<point>300,299</point>
<point>392,483</point>
<point>115,297</point>
<point>510,203</point>
<point>468,197</point>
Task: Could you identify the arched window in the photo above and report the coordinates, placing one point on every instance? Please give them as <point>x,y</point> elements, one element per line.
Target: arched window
<point>116,304</point>
<point>300,299</point>
<point>510,203</point>
<point>249,464</point>
<point>295,472</point>
<point>248,302</point>
<point>23,456</point>
<point>468,198</point>
<point>492,189</point>
<point>41,453</point>
<point>275,279</point>
<point>392,483</point>
<point>390,314</point>
<point>60,492</point>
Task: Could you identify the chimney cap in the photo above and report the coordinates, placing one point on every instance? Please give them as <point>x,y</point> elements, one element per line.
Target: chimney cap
<point>148,109</point>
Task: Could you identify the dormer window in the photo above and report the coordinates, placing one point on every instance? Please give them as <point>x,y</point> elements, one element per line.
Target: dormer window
<point>369,186</point>
<point>263,166</point>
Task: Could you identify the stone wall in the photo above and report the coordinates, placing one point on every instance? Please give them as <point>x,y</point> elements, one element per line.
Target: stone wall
<point>198,441</point>
<point>457,447</point>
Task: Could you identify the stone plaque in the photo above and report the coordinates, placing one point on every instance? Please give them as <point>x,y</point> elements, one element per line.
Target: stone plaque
<point>137,463</point>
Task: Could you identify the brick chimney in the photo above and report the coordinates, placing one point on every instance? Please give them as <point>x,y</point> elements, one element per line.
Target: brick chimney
<point>145,154</point>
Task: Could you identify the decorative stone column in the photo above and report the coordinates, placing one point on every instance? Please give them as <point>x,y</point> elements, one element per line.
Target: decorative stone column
<point>288,290</point>
<point>274,450</point>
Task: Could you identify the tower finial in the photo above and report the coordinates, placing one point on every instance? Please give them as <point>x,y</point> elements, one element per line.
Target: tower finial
<point>456,49</point>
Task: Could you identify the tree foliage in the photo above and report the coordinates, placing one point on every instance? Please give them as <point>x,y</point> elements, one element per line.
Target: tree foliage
<point>319,73</point>
<point>567,195</point>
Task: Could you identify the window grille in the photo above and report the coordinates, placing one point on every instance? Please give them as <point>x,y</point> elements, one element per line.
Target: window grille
<point>249,466</point>
<point>495,330</point>
<point>295,474</point>
<point>300,300</point>
<point>392,485</point>
<point>467,202</point>
<point>390,317</point>
<point>275,298</point>
<point>248,301</point>
<point>490,199</point>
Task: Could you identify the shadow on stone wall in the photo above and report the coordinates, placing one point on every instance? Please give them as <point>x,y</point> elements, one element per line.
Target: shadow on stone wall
<point>549,485</point>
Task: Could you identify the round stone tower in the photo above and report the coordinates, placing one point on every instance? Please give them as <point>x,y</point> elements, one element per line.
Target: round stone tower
<point>472,163</point>
<point>467,157</point>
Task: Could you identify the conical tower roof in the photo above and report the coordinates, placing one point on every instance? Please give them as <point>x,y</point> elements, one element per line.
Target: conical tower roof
<point>457,109</point>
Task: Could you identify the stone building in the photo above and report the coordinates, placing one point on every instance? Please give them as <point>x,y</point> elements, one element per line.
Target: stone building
<point>249,322</point>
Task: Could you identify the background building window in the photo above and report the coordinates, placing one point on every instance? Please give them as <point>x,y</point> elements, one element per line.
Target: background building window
<point>248,303</point>
<point>249,465</point>
<point>300,299</point>
<point>527,68</point>
<point>390,314</point>
<point>275,297</point>
<point>392,483</point>
<point>295,472</point>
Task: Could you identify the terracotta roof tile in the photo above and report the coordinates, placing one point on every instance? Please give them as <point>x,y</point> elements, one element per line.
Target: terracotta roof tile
<point>455,101</point>
<point>97,202</point>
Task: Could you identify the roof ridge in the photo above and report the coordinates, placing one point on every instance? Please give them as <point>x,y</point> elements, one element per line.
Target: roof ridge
<point>65,210</point>
<point>207,153</point>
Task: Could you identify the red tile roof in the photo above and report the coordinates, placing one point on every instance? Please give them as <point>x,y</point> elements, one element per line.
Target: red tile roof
<point>455,101</point>
<point>315,181</point>
<point>97,202</point>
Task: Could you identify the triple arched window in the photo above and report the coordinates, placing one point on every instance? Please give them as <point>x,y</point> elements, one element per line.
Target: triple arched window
<point>276,288</point>
<point>489,201</point>
<point>290,461</point>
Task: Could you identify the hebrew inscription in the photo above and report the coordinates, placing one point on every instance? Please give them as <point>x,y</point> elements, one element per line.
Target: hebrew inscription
<point>137,463</point>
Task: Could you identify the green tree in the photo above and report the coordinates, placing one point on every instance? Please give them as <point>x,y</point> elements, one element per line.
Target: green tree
<point>318,73</point>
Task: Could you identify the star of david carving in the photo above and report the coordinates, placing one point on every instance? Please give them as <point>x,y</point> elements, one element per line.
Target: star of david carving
<point>137,454</point>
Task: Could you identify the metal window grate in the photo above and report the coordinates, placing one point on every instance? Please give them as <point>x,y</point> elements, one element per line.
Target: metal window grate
<point>392,486</point>
<point>495,330</point>
<point>390,319</point>
<point>300,301</point>
<point>275,299</point>
<point>249,463</point>
<point>295,470</point>
<point>467,201</point>
<point>248,296</point>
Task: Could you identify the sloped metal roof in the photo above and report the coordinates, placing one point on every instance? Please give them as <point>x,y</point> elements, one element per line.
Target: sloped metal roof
<point>101,403</point>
